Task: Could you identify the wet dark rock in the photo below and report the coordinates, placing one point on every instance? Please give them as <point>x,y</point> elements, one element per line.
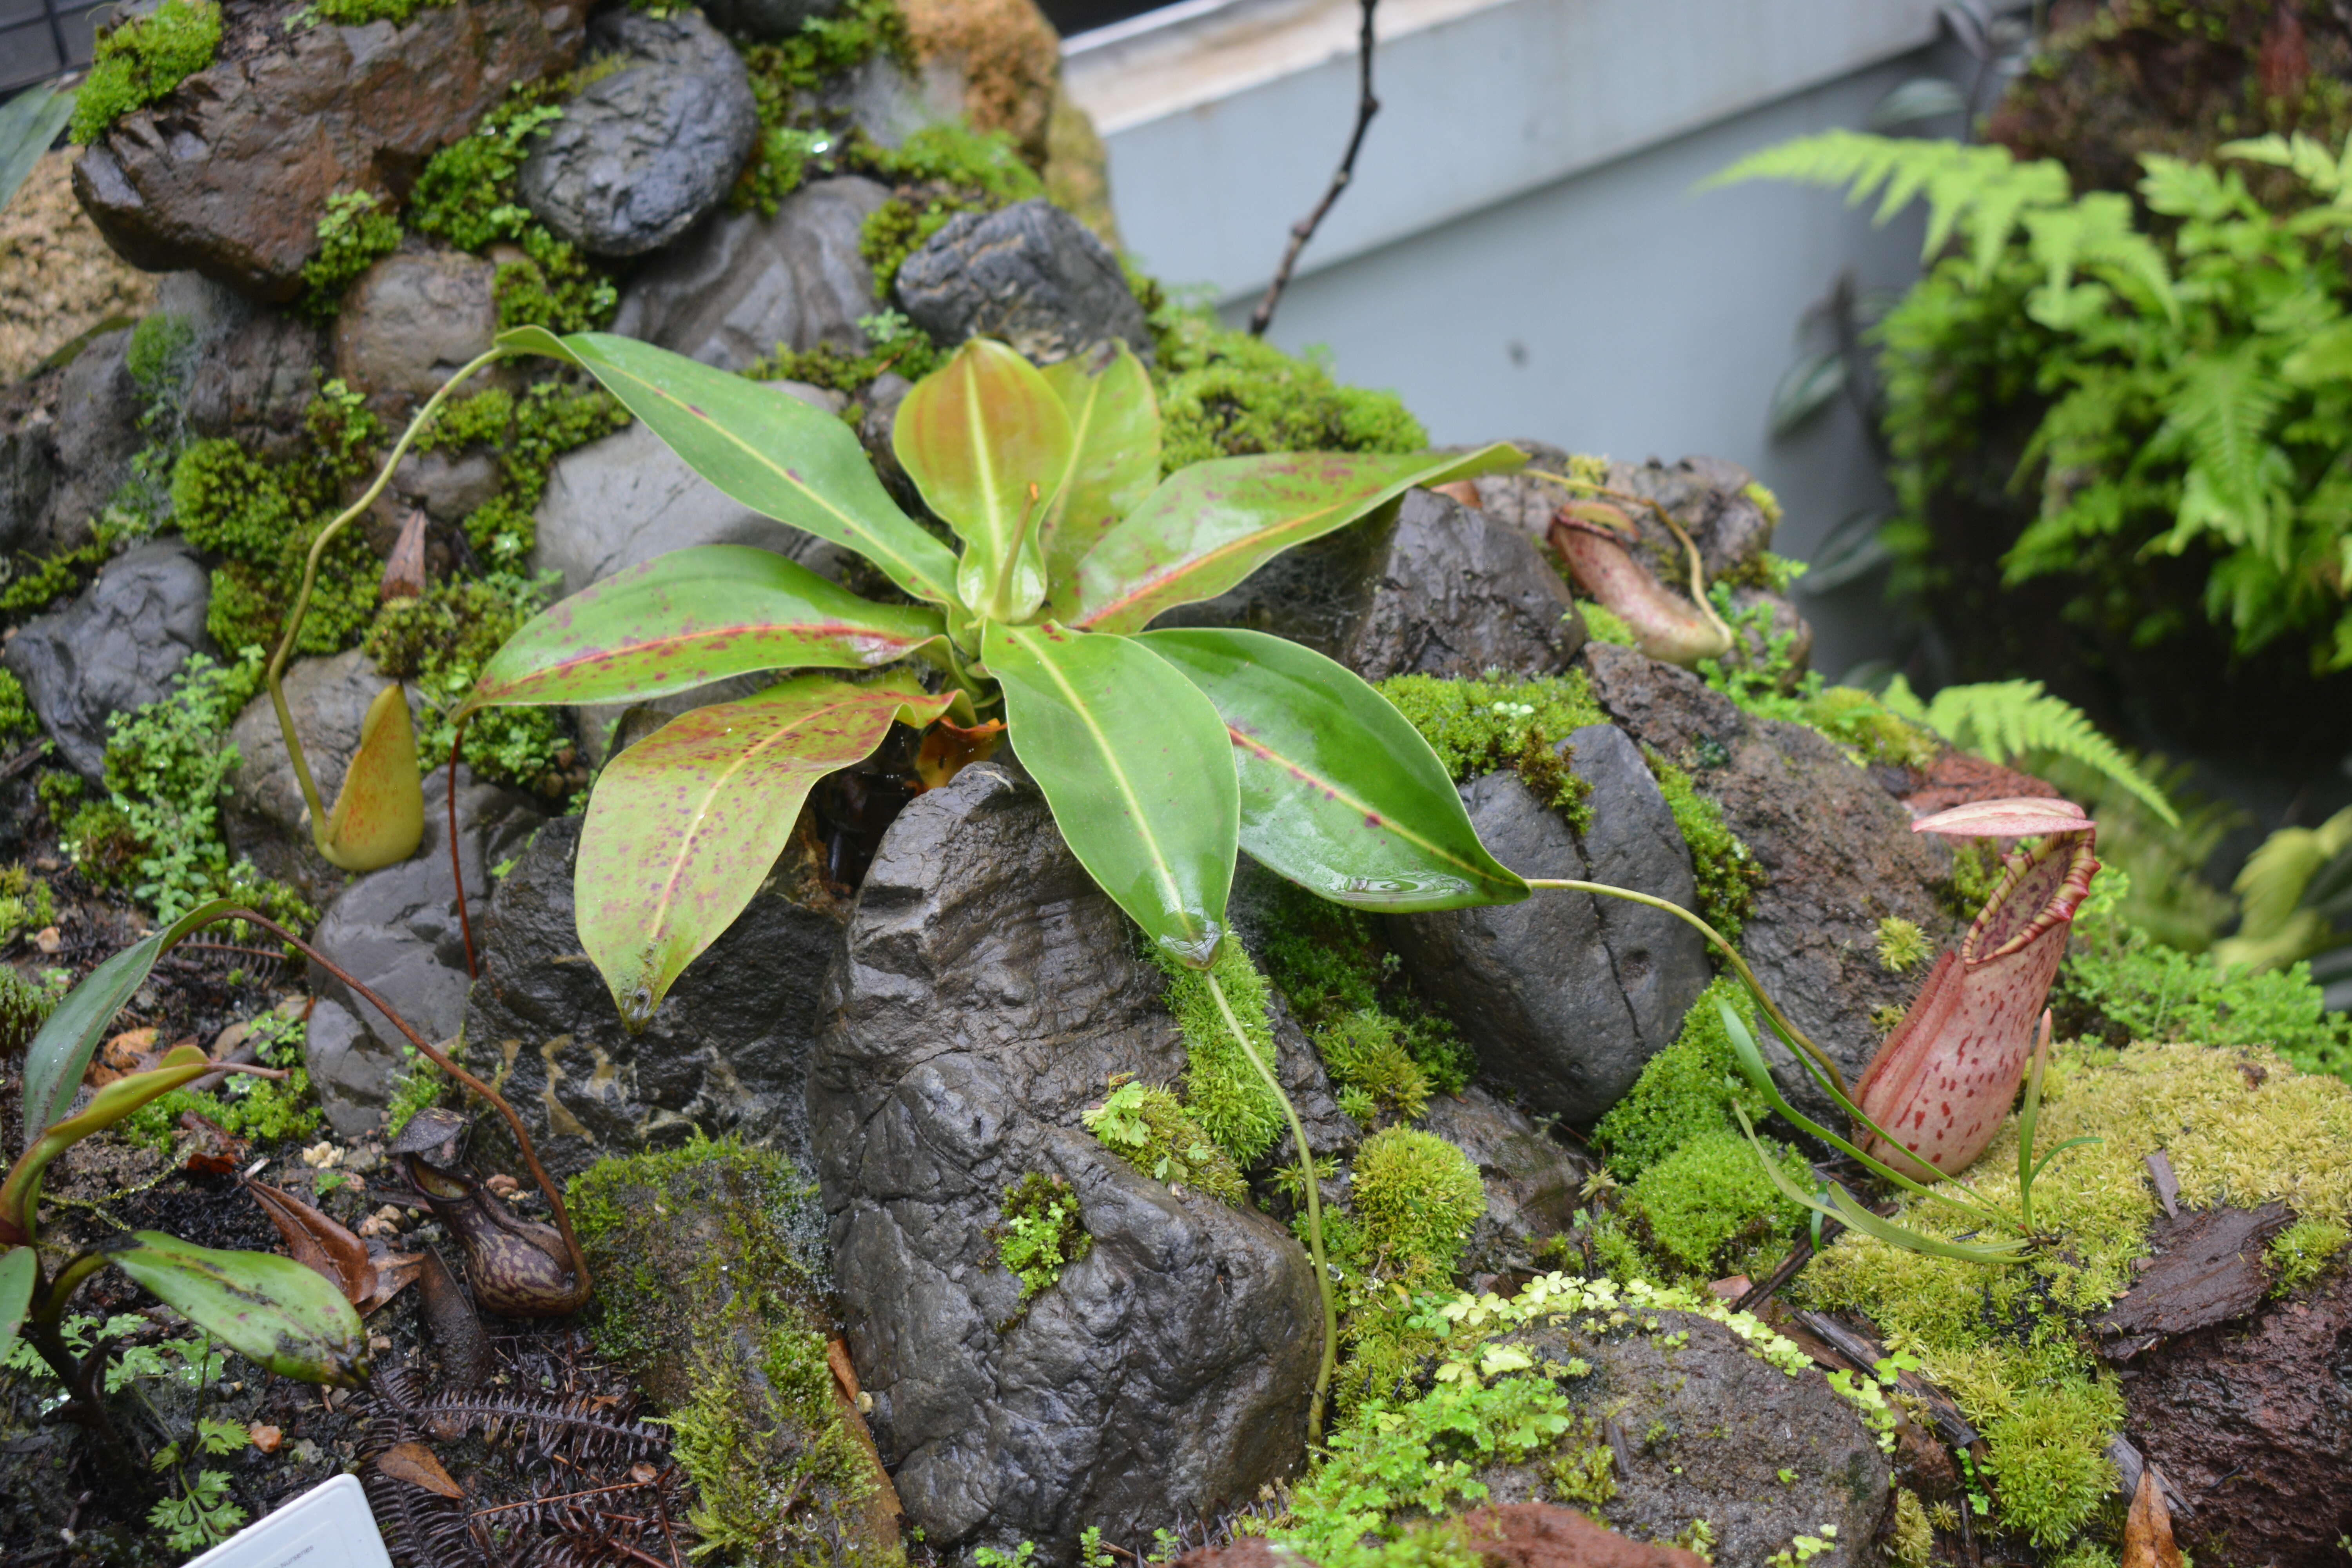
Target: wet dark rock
<point>395,930</point>
<point>1029,274</point>
<point>1565,996</point>
<point>448,485</point>
<point>253,384</point>
<point>726,1051</point>
<point>115,648</point>
<point>264,814</point>
<point>642,153</point>
<point>1517,1535</point>
<point>986,990</point>
<point>2253,1421</point>
<point>1429,587</point>
<point>1837,852</point>
<point>353,1074</point>
<point>1532,1181</point>
<point>67,438</point>
<point>1707,1429</point>
<point>733,290</point>
<point>767,19</point>
<point>230,174</point>
<point>411,322</point>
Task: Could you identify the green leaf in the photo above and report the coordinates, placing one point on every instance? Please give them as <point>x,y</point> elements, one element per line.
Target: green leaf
<point>28,123</point>
<point>21,1192</point>
<point>764,447</point>
<point>988,443</point>
<point>1844,1208</point>
<point>60,1053</point>
<point>379,813</point>
<point>690,617</point>
<point>1210,525</point>
<point>1339,791</point>
<point>1135,762</point>
<point>18,1272</point>
<point>2327,356</point>
<point>270,1310</point>
<point>1114,461</point>
<point>685,825</point>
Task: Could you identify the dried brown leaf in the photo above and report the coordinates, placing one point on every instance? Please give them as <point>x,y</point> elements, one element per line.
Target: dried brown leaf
<point>415,1463</point>
<point>2147,1532</point>
<point>319,1243</point>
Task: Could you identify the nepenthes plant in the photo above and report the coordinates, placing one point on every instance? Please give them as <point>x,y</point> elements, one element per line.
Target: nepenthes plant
<point>1163,755</point>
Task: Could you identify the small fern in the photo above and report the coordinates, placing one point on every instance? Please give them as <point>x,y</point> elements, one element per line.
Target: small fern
<point>2000,720</point>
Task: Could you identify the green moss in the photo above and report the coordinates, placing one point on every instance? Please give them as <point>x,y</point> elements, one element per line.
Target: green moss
<point>1682,1095</point>
<point>1755,490</point>
<point>1221,1092</point>
<point>1902,945</point>
<point>2117,983</point>
<point>157,356</point>
<point>1367,1055</point>
<point>1146,1125</point>
<point>1224,394</point>
<point>25,905</point>
<point>354,236</point>
<point>1039,1232</point>
<point>2048,1456</point>
<point>550,419</point>
<point>1478,727</point>
<point>359,13</point>
<point>2301,1252</point>
<point>441,641</point>
<point>708,1260</point>
<point>896,344</point>
<point>268,1111</point>
<point>421,1085</point>
<point>51,579</point>
<point>1709,1209</point>
<point>552,285</point>
<point>142,59</point>
<point>465,194</point>
<point>785,75</point>
<point>1867,728</point>
<point>1910,1539</point>
<point>1603,624</point>
<point>1727,874</point>
<point>1330,966</point>
<point>18,722</point>
<point>1417,1197</point>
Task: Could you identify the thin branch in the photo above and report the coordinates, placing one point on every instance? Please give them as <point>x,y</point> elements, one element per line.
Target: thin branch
<point>1304,229</point>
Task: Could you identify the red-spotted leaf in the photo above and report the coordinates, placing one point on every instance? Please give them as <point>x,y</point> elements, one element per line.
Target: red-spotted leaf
<point>1135,762</point>
<point>766,448</point>
<point>1114,460</point>
<point>1210,525</point>
<point>1339,793</point>
<point>690,617</point>
<point>686,823</point>
<point>988,443</point>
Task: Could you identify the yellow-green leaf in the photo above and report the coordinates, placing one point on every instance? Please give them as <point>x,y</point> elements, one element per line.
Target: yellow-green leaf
<point>379,813</point>
<point>270,1310</point>
<point>989,444</point>
<point>1114,461</point>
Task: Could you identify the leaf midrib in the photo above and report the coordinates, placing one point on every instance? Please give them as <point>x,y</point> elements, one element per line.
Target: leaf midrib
<point>1387,823</point>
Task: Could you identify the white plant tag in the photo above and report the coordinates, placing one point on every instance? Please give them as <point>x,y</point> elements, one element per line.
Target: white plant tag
<point>330,1526</point>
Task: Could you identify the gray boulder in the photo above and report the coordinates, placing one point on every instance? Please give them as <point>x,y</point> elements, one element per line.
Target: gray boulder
<point>253,384</point>
<point>1565,996</point>
<point>230,173</point>
<point>67,438</point>
<point>986,990</point>
<point>353,1074</point>
<point>726,1051</point>
<point>1029,274</point>
<point>396,931</point>
<point>642,153</point>
<point>1837,851</point>
<point>116,646</point>
<point>1706,1428</point>
<point>1427,587</point>
<point>741,286</point>
<point>1533,1183</point>
<point>411,320</point>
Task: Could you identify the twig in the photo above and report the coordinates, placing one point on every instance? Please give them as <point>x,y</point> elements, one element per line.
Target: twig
<point>1798,1256</point>
<point>566,1497</point>
<point>456,867</point>
<point>1304,230</point>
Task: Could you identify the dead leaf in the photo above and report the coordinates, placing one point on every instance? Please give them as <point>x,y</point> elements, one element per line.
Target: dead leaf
<point>215,1153</point>
<point>133,1050</point>
<point>47,940</point>
<point>2147,1531</point>
<point>319,1243</point>
<point>404,573</point>
<point>1463,491</point>
<point>1601,514</point>
<point>836,1355</point>
<point>415,1463</point>
<point>948,748</point>
<point>2168,1185</point>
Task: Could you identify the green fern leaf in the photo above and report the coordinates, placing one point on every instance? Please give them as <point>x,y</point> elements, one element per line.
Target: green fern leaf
<point>2310,159</point>
<point>2094,235</point>
<point>2222,417</point>
<point>1998,720</point>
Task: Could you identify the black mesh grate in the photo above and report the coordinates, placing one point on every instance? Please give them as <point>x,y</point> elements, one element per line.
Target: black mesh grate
<point>45,38</point>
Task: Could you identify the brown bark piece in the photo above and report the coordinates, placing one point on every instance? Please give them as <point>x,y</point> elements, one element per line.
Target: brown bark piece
<point>2207,1269</point>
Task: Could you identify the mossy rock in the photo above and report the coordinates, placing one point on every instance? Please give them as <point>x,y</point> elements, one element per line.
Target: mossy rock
<point>709,1263</point>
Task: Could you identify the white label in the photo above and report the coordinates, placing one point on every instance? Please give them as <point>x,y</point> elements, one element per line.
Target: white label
<point>330,1526</point>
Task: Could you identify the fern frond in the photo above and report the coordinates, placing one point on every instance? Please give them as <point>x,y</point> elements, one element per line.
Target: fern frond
<point>2222,415</point>
<point>2278,925</point>
<point>1980,191</point>
<point>2309,159</point>
<point>2000,718</point>
<point>2094,235</point>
